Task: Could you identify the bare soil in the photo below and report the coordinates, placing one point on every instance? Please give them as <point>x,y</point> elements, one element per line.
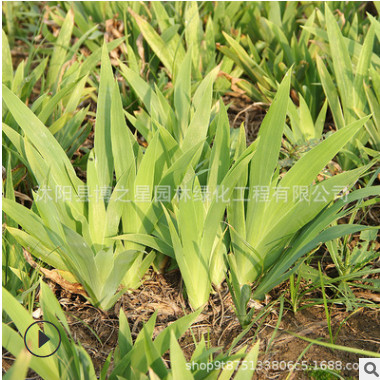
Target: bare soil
<point>243,110</point>
<point>97,331</point>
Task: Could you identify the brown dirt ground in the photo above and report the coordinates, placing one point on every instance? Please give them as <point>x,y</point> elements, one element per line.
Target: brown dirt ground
<point>243,110</point>
<point>218,323</point>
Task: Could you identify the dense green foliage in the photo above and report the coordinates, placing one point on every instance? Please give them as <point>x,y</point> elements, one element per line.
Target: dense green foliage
<point>118,155</point>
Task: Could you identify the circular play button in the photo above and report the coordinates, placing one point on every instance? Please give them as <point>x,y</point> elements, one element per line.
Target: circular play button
<point>42,339</point>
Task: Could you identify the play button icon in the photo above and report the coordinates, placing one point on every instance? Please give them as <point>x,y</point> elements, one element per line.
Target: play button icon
<point>42,339</point>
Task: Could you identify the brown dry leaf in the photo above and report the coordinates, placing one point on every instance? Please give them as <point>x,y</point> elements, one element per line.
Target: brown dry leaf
<point>332,168</point>
<point>108,33</point>
<point>22,196</point>
<point>294,96</point>
<point>235,89</point>
<point>114,29</point>
<point>6,365</point>
<point>53,275</point>
<point>341,16</point>
<point>369,296</point>
<point>141,52</point>
<point>165,309</point>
